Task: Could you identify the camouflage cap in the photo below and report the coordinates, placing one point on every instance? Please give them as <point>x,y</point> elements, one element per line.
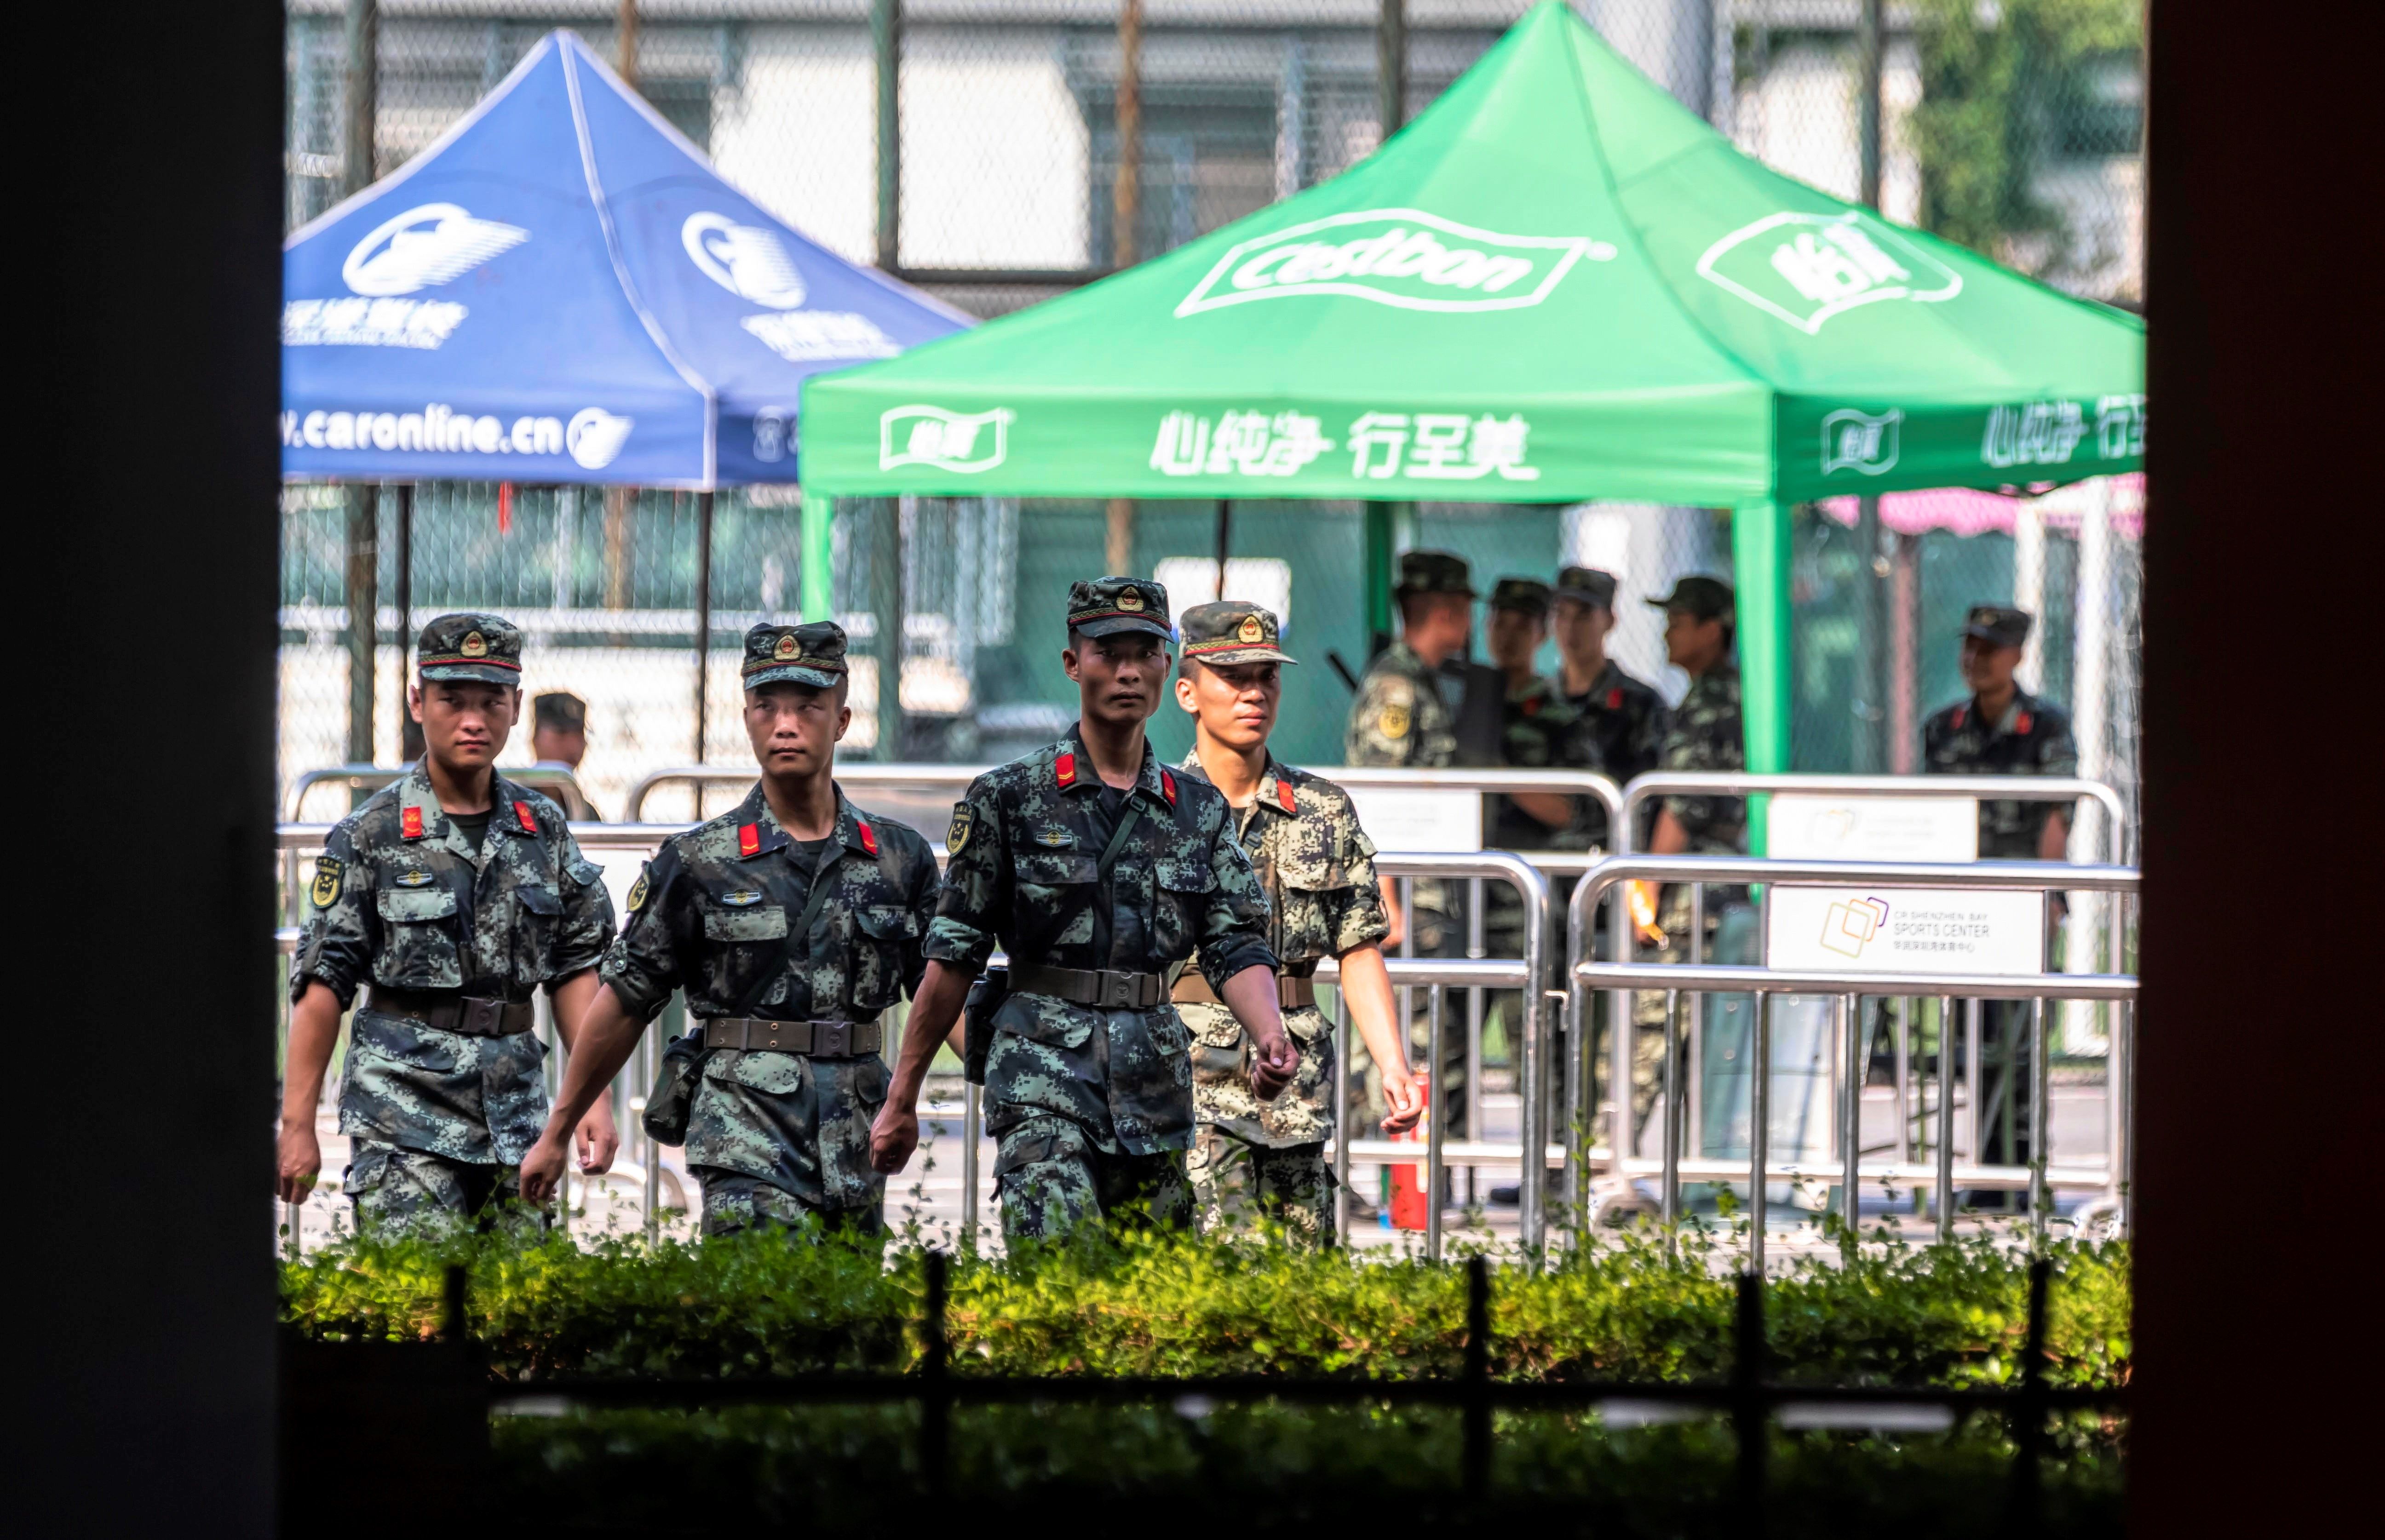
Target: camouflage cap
<point>1527,594</point>
<point>1706,598</point>
<point>1587,585</point>
<point>1433,572</point>
<point>812,654</point>
<point>471,647</point>
<point>2000,623</point>
<point>1231,631</point>
<point>561,710</point>
<point>1105,607</point>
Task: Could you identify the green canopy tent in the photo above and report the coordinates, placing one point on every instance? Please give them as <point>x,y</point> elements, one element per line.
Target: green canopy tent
<point>1556,285</point>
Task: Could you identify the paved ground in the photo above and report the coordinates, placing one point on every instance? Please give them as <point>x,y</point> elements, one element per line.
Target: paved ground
<point>928,1194</point>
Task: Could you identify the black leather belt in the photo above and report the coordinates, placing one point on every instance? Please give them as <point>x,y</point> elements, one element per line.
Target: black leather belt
<point>1105,990</point>
<point>1290,993</point>
<point>472,1016</point>
<point>821,1039</point>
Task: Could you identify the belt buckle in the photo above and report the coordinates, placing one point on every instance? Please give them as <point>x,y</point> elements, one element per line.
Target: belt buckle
<point>832,1039</point>
<point>481,1016</point>
<point>1114,991</point>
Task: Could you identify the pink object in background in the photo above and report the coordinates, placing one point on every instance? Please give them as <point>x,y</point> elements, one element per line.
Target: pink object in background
<point>1965,511</point>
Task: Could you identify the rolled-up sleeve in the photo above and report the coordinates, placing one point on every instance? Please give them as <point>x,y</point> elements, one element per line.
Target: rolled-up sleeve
<point>337,942</point>
<point>925,890</point>
<point>971,909</point>
<point>645,962</point>
<point>587,930</point>
<point>1234,926</point>
<point>1355,910</point>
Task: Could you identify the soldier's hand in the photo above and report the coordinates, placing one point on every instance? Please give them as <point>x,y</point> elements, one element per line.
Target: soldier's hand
<point>1642,897</point>
<point>893,1138</point>
<point>598,1140</point>
<point>541,1169</point>
<point>1400,1098</point>
<point>297,1159</point>
<point>1273,1063</point>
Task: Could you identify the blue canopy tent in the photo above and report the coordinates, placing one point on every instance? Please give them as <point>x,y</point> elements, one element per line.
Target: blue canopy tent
<point>562,290</point>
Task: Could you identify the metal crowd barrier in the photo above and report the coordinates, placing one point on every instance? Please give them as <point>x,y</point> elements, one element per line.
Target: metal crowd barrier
<point>1986,789</point>
<point>1623,977</point>
<point>555,780</point>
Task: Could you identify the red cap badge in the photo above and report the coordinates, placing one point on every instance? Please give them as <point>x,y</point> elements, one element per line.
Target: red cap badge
<point>1167,788</point>
<point>868,841</point>
<point>1064,769</point>
<point>749,838</point>
<point>1283,796</point>
<point>529,821</point>
<point>409,823</point>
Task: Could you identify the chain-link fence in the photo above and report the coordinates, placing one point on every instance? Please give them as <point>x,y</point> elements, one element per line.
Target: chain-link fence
<point>2013,127</point>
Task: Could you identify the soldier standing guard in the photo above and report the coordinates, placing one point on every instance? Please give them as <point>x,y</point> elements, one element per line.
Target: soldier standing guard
<point>791,921</point>
<point>452,893</point>
<point>1251,1155</point>
<point>1618,722</point>
<point>1095,868</point>
<point>2003,730</point>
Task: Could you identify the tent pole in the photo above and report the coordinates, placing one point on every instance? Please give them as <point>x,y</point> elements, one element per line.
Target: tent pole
<point>1225,540</point>
<point>702,616</point>
<point>409,734</point>
<point>1759,543</point>
<point>628,68</point>
<point>814,587</point>
<point>1376,566</point>
<point>363,93</point>
<point>1392,68</point>
<point>363,615</point>
<point>1126,191</point>
<point>886,38</point>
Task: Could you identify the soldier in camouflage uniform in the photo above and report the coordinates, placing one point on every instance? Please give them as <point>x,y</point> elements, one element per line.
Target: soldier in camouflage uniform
<point>2003,730</point>
<point>1618,722</point>
<point>1250,1156</point>
<point>792,923</point>
<point>452,893</point>
<point>1401,720</point>
<point>1095,868</point>
<point>1705,733</point>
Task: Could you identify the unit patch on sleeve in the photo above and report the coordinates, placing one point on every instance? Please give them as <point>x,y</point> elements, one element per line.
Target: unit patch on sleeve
<point>964,820</point>
<point>326,888</point>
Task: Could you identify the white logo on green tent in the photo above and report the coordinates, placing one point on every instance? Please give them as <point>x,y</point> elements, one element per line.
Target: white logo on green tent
<point>1244,444</point>
<point>1808,268</point>
<point>1859,442</point>
<point>2032,433</point>
<point>962,442</point>
<point>1396,256</point>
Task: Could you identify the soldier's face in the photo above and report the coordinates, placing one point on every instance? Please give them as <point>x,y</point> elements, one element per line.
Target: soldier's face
<point>1235,704</point>
<point>559,745</point>
<point>795,728</point>
<point>1580,629</point>
<point>1118,676</point>
<point>465,722</point>
<point>1514,635</point>
<point>1689,642</point>
<point>1987,667</point>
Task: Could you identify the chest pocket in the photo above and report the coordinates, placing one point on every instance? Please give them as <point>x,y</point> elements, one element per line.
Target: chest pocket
<point>884,935</point>
<point>537,917</point>
<point>1312,892</point>
<point>746,948</point>
<point>1056,889</point>
<point>421,949</point>
<point>1186,885</point>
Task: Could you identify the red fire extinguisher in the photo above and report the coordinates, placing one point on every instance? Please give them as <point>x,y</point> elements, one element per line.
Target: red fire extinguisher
<point>1408,1207</point>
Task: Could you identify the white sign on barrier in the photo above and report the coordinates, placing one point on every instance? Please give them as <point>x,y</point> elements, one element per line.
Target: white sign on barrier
<point>1806,826</point>
<point>1419,819</point>
<point>1904,930</point>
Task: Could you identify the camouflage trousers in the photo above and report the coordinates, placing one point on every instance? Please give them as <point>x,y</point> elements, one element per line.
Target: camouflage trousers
<point>1236,1182</point>
<point>1051,1178</point>
<point>734,1201</point>
<point>399,1191</point>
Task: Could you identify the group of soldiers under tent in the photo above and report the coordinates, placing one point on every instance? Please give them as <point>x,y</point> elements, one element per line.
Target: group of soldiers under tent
<point>1154,1048</point>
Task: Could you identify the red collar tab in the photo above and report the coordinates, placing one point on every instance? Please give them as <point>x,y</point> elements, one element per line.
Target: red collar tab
<point>2021,722</point>
<point>1167,788</point>
<point>1960,713</point>
<point>1284,797</point>
<point>1614,699</point>
<point>1064,769</point>
<point>869,839</point>
<point>1532,705</point>
<point>749,840</point>
<point>528,819</point>
<point>409,823</point>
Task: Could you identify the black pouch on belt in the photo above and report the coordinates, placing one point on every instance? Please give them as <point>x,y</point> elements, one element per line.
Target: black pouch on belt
<point>674,1092</point>
<point>985,997</point>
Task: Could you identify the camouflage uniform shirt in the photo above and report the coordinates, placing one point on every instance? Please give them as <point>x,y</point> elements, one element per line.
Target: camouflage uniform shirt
<point>1399,718</point>
<point>714,914</point>
<point>2032,737</point>
<point>1022,869</point>
<point>1317,868</point>
<point>401,900</point>
<point>1618,729</point>
<point>1534,725</point>
<point>1706,735</point>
